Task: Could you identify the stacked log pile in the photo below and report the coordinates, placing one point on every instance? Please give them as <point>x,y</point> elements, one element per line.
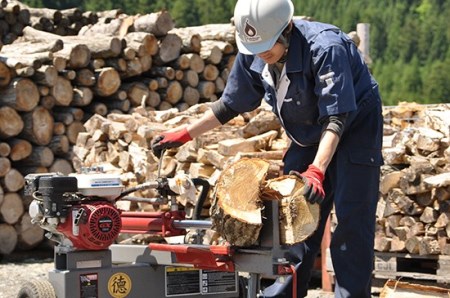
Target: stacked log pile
<point>414,211</point>
<point>50,85</point>
<point>15,16</point>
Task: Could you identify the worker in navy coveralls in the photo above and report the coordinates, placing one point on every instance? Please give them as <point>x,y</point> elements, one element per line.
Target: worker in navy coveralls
<point>318,85</point>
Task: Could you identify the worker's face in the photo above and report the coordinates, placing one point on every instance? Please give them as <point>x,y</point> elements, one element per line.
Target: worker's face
<point>274,54</point>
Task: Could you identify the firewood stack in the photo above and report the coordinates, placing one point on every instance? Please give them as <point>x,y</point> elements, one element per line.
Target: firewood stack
<point>121,144</point>
<point>414,210</point>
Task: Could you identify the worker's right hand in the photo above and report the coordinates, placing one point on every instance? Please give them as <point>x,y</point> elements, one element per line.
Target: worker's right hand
<point>169,140</point>
<point>313,179</point>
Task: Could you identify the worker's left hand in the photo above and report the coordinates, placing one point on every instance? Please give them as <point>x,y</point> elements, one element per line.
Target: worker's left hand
<point>313,179</point>
<point>169,140</point>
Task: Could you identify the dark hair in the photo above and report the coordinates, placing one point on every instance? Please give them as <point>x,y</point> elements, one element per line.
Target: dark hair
<point>285,35</point>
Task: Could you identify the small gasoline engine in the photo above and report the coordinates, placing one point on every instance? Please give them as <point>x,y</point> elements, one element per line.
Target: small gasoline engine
<point>78,211</point>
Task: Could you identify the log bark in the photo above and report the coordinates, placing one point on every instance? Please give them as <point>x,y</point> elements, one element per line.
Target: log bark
<point>45,75</point>
<point>147,41</point>
<point>41,156</point>
<point>59,145</point>
<point>85,77</point>
<point>158,23</point>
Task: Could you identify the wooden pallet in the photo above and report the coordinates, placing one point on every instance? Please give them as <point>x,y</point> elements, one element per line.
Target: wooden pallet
<point>397,265</point>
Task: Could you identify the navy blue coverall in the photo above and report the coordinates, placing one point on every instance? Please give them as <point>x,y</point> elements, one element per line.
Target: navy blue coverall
<point>324,74</point>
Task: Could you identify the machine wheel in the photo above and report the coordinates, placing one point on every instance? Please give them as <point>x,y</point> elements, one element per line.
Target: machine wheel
<point>243,284</point>
<point>37,289</point>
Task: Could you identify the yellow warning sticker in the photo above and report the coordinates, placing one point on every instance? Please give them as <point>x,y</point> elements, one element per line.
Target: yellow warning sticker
<point>119,285</point>
<point>180,269</point>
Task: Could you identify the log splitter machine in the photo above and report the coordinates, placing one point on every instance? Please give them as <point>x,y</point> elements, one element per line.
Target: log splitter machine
<point>79,212</point>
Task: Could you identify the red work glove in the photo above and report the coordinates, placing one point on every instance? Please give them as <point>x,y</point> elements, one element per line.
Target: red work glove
<point>170,140</point>
<point>313,179</point>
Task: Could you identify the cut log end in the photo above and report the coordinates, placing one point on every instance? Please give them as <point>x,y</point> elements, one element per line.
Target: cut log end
<point>236,211</point>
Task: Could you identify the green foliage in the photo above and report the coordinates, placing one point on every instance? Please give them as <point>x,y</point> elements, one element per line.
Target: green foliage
<point>409,39</point>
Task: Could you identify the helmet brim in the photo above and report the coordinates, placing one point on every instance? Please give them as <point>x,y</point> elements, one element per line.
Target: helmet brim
<point>254,48</point>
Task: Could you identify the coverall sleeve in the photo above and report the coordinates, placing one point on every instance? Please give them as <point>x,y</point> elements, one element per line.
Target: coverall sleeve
<point>334,84</point>
<point>244,90</point>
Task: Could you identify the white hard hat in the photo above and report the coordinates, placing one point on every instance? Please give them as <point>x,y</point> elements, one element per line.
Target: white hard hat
<point>259,23</point>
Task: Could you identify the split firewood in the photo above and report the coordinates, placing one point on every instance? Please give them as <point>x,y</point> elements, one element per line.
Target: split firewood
<point>298,218</point>
<point>237,207</point>
<point>400,289</point>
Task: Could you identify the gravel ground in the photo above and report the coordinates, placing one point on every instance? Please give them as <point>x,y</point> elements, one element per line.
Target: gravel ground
<point>14,273</point>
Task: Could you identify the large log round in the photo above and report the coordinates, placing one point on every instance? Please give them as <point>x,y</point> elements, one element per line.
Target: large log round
<point>236,210</point>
